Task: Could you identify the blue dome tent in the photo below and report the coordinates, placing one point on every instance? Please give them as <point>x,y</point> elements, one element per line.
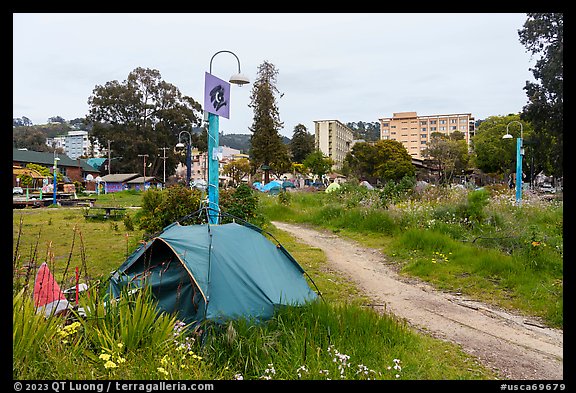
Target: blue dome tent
<point>215,272</point>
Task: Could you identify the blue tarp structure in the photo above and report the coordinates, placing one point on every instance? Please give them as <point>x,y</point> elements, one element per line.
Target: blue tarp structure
<point>273,187</point>
<point>215,272</point>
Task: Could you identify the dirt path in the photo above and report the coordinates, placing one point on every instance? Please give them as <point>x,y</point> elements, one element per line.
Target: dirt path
<point>515,347</point>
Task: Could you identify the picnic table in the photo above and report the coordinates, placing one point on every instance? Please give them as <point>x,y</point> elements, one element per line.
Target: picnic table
<point>105,212</point>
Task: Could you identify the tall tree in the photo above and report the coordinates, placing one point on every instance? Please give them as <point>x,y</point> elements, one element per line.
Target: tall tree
<point>449,152</point>
<point>491,153</point>
<point>267,149</point>
<point>317,163</point>
<point>141,115</point>
<point>302,143</point>
<point>543,35</point>
<point>384,160</point>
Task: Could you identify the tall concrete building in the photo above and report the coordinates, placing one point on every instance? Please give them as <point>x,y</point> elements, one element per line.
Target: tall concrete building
<point>414,131</point>
<point>75,144</point>
<point>334,139</point>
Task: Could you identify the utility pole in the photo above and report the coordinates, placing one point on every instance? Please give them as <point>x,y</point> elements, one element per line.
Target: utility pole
<point>109,159</point>
<point>144,155</point>
<point>164,158</point>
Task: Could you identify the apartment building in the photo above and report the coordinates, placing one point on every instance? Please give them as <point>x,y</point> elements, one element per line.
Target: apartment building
<point>75,144</point>
<point>414,131</point>
<point>334,139</point>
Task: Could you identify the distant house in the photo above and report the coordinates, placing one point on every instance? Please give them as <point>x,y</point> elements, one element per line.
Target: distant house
<point>141,184</point>
<point>117,182</point>
<point>75,170</point>
<point>128,181</point>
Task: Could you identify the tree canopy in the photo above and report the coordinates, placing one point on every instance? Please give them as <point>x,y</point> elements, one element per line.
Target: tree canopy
<point>384,160</point>
<point>449,152</point>
<point>302,143</point>
<point>543,35</point>
<point>492,154</point>
<point>267,148</point>
<point>141,115</point>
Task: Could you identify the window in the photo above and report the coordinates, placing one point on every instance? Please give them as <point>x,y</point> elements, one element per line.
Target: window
<point>442,121</point>
<point>432,121</point>
<point>432,128</point>
<point>423,123</point>
<point>453,121</point>
<point>422,142</point>
<point>423,129</point>
<point>385,124</point>
<point>423,136</point>
<point>453,128</point>
<point>442,128</point>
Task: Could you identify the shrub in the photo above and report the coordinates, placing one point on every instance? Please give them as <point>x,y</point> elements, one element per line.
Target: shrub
<point>241,202</point>
<point>161,208</point>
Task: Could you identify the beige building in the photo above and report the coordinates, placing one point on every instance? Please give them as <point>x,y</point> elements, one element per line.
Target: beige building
<point>334,139</point>
<point>414,131</point>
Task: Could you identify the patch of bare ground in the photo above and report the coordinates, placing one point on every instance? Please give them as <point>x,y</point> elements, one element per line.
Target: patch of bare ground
<point>515,347</point>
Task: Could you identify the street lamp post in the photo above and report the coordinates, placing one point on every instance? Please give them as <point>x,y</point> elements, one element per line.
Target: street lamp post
<point>55,188</point>
<point>519,154</point>
<point>216,97</point>
<point>188,155</point>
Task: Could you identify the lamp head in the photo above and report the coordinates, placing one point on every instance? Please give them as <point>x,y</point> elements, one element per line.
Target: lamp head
<point>180,145</point>
<point>239,79</point>
<point>507,136</point>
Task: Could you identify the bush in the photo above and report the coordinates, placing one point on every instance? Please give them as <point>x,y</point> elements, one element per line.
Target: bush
<point>241,202</point>
<point>161,208</point>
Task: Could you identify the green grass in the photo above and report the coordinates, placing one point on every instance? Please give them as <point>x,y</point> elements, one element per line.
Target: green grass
<point>508,256</point>
<point>503,272</point>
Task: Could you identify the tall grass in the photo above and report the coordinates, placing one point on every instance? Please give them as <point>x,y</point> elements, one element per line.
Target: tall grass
<point>508,255</point>
<point>31,335</point>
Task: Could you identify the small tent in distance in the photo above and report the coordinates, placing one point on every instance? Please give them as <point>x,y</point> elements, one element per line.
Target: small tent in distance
<point>215,273</point>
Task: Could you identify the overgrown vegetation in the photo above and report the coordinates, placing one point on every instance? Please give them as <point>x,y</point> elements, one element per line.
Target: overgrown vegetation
<point>475,242</point>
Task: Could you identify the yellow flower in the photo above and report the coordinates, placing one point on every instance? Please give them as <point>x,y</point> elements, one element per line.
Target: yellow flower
<point>120,345</point>
<point>110,364</point>
<point>162,370</point>
<point>105,356</point>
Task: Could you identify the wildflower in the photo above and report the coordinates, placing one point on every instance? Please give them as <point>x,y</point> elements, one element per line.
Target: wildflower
<point>110,364</point>
<point>105,356</point>
<point>301,368</point>
<point>120,345</point>
<point>162,370</point>
<point>238,377</point>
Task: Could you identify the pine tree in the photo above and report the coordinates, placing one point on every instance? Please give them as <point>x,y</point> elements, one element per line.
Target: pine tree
<point>267,149</point>
<point>302,143</point>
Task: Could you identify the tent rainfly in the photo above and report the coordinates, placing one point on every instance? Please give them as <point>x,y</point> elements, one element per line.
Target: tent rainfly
<point>215,272</point>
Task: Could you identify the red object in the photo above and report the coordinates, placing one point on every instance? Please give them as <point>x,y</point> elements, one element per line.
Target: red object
<point>47,293</point>
<point>77,285</point>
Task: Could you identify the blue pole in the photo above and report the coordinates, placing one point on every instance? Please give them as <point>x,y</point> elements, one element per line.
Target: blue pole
<point>188,164</point>
<point>518,171</point>
<point>213,168</point>
<point>55,185</point>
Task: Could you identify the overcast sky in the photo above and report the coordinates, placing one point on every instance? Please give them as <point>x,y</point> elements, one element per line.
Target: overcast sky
<point>345,66</point>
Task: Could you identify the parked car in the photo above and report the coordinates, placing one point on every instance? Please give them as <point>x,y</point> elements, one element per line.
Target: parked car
<point>17,191</point>
<point>547,188</point>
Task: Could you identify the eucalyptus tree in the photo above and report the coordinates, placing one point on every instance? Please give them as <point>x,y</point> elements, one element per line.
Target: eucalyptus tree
<point>139,116</point>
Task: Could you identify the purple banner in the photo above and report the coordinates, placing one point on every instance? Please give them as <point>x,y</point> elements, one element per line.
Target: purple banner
<point>217,96</point>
